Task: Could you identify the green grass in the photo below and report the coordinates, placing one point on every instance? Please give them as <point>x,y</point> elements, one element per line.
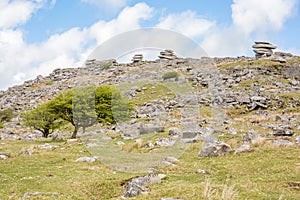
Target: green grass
<point>261,174</point>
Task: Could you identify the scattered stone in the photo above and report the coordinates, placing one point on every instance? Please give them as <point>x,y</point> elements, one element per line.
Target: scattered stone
<point>151,129</point>
<point>27,152</point>
<point>137,186</point>
<point>165,142</point>
<point>250,136</point>
<point>29,194</point>
<point>171,159</point>
<point>91,145</point>
<point>86,159</point>
<point>57,136</point>
<point>174,132</point>
<point>72,140</point>
<point>201,171</point>
<point>3,157</point>
<point>214,149</point>
<point>148,145</point>
<point>282,142</point>
<point>168,163</point>
<point>232,131</point>
<point>120,143</point>
<point>47,146</point>
<point>282,131</point>
<point>242,149</point>
<point>298,139</point>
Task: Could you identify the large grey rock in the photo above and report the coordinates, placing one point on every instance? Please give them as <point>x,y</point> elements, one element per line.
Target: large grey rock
<point>171,159</point>
<point>86,159</point>
<point>298,139</point>
<point>165,142</point>
<point>265,46</point>
<point>151,129</point>
<point>282,142</point>
<point>282,131</point>
<point>250,136</point>
<point>243,148</point>
<point>174,131</point>
<point>136,186</point>
<point>3,157</point>
<point>215,149</point>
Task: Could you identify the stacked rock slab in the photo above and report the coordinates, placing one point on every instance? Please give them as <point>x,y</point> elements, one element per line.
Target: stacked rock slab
<point>167,55</point>
<point>137,58</point>
<point>263,49</point>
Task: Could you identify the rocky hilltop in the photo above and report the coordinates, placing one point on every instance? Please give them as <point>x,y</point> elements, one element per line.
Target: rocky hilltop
<point>246,84</point>
<point>219,106</point>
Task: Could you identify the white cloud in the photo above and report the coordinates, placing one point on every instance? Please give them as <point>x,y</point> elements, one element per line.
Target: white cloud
<point>252,19</point>
<point>109,4</point>
<point>128,19</point>
<point>258,15</point>
<point>17,12</point>
<point>187,23</point>
<point>20,61</point>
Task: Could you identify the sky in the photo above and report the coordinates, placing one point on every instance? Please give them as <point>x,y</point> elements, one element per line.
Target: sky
<point>38,36</point>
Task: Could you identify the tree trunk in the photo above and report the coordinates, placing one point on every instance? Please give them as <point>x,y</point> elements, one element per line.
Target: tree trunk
<point>83,129</point>
<point>75,132</point>
<point>45,133</point>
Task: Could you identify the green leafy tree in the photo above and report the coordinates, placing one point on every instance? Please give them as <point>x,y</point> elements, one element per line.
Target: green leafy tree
<point>82,107</point>
<point>43,119</point>
<point>110,106</point>
<point>5,116</point>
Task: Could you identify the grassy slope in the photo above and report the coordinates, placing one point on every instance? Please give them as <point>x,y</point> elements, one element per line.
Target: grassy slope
<point>262,174</point>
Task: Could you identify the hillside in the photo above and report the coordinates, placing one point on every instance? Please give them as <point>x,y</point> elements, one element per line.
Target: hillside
<point>207,128</point>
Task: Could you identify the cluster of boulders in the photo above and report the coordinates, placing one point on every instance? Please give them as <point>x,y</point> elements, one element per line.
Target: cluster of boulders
<point>137,58</point>
<point>263,49</point>
<point>97,63</point>
<point>167,55</point>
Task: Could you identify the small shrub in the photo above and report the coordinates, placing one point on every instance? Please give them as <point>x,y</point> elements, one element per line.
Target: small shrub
<point>170,75</point>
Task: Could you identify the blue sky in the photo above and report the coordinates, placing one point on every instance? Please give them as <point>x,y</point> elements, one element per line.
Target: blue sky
<point>37,36</point>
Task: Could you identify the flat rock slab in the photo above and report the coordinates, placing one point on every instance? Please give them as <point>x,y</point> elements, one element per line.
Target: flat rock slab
<point>266,45</point>
<point>86,159</point>
<point>215,149</point>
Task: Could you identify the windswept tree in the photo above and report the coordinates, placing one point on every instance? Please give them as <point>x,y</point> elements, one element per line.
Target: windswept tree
<point>110,106</point>
<point>82,107</point>
<point>43,119</point>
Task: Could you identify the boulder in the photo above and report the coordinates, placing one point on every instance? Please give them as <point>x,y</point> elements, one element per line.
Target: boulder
<point>250,136</point>
<point>282,142</point>
<point>282,131</point>
<point>165,142</point>
<point>151,129</point>
<point>174,132</point>
<point>243,148</point>
<point>298,139</point>
<point>3,157</point>
<point>264,45</point>
<point>137,58</point>
<point>263,49</point>
<point>215,149</point>
<point>201,171</point>
<point>86,159</point>
<point>136,186</point>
